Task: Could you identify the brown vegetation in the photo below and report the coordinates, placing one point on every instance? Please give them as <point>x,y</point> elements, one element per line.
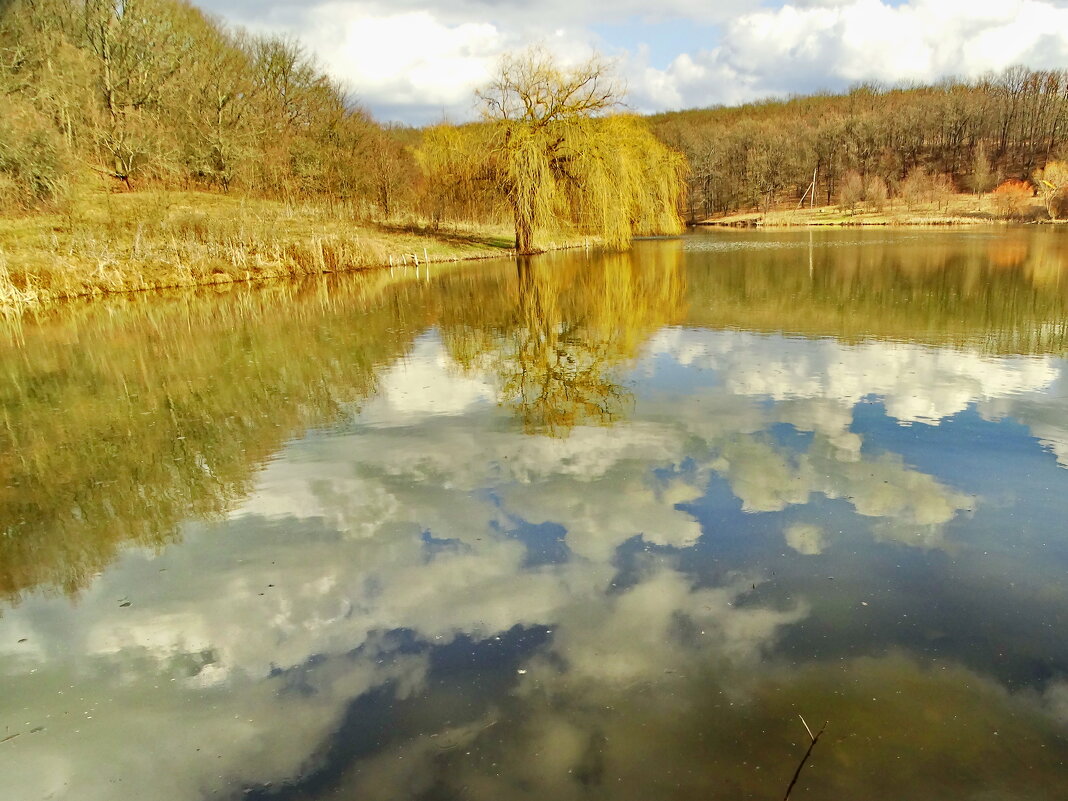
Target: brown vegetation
<point>1012,197</point>
<point>110,243</point>
<point>1052,185</point>
<point>154,93</point>
<point>966,134</point>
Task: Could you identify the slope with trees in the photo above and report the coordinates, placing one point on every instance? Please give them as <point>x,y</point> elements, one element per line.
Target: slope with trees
<point>156,93</point>
<point>965,134</point>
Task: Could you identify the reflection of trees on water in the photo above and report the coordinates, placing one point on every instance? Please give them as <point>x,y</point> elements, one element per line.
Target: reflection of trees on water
<point>569,325</point>
<point>1003,292</point>
<point>554,373</point>
<point>122,420</point>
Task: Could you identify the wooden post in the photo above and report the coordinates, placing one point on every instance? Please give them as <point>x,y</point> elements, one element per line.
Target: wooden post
<point>810,193</point>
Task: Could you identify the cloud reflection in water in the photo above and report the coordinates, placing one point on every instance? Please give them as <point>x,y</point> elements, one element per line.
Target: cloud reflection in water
<point>665,653</point>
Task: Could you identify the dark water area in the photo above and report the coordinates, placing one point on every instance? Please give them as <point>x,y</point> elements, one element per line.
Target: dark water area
<point>582,527</point>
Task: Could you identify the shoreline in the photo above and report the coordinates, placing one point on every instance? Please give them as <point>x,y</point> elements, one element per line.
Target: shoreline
<point>918,223</point>
<point>152,241</point>
<point>959,210</point>
<point>15,303</point>
<point>961,223</point>
<point>15,307</point>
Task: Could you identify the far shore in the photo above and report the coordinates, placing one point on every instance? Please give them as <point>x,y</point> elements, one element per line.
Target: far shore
<point>956,210</point>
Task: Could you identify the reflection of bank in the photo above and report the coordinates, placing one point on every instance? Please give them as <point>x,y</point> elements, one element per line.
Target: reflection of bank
<point>1001,291</point>
<point>572,327</point>
<point>124,422</point>
<point>123,419</point>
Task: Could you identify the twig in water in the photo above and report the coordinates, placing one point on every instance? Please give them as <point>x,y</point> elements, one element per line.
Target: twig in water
<point>797,773</point>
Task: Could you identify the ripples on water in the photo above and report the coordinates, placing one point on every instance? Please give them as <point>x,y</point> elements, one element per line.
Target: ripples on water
<point>589,527</point>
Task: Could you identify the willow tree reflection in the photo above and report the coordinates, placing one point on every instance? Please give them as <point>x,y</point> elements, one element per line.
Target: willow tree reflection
<point>565,330</point>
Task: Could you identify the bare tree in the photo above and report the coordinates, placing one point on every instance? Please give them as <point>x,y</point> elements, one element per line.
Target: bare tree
<point>139,46</point>
<point>983,177</point>
<point>531,87</point>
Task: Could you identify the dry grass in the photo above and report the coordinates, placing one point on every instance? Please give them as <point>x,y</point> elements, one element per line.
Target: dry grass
<point>108,243</point>
<point>957,209</point>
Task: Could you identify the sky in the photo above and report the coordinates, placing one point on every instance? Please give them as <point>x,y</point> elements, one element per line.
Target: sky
<point>417,62</point>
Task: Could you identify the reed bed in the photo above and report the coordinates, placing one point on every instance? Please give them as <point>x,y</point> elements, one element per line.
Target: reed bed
<point>153,240</point>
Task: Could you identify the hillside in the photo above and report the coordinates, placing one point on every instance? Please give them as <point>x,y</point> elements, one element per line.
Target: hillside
<point>872,144</point>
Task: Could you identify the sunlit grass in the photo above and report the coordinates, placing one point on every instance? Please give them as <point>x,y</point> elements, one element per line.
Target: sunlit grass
<point>119,242</point>
<point>957,209</point>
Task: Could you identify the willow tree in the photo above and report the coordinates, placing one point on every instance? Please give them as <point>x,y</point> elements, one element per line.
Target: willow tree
<point>551,147</point>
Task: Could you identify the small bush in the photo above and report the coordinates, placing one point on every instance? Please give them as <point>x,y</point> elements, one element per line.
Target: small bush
<point>876,192</point>
<point>1012,198</point>
<point>941,190</point>
<point>921,186</point>
<point>1057,205</point>
<point>916,187</point>
<point>32,170</point>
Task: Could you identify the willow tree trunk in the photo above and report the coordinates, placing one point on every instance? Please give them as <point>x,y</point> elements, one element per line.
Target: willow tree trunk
<point>524,230</point>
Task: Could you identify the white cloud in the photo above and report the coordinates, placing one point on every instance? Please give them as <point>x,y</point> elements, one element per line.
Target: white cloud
<point>801,49</point>
<point>411,59</point>
<point>425,384</point>
<point>543,15</point>
<point>415,61</point>
<point>1044,417</point>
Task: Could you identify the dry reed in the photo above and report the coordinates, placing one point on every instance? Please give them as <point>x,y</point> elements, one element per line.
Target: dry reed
<point>154,240</point>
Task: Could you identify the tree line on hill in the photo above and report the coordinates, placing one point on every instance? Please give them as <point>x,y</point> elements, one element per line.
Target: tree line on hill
<point>873,143</point>
<point>154,92</point>
<point>157,92</point>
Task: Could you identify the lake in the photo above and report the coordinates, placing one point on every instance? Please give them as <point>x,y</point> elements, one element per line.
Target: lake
<point>585,526</point>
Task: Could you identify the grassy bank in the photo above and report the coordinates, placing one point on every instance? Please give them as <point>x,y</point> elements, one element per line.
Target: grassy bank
<point>109,243</point>
<point>958,209</point>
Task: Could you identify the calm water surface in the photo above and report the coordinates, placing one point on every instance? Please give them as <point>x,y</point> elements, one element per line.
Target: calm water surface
<point>586,527</point>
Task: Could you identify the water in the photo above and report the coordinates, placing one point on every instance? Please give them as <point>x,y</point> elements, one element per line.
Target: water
<point>587,527</point>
